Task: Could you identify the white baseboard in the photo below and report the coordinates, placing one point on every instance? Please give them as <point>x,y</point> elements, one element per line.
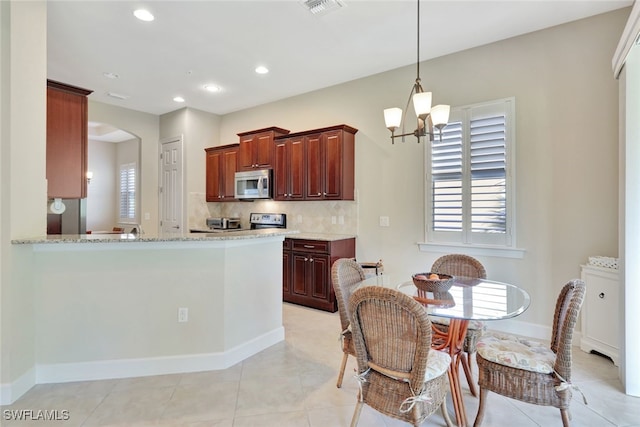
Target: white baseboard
<point>10,392</point>
<point>126,368</point>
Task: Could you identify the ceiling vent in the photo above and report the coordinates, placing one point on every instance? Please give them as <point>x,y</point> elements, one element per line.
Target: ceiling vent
<point>322,7</point>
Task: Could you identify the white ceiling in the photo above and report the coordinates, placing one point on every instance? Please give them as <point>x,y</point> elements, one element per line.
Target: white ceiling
<point>193,43</point>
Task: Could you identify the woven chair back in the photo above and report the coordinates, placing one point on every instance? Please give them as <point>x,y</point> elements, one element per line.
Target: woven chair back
<point>346,273</point>
<point>391,331</point>
<point>564,320</point>
<point>459,265</point>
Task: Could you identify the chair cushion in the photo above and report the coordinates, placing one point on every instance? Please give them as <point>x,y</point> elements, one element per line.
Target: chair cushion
<point>437,363</point>
<point>473,324</point>
<point>516,352</point>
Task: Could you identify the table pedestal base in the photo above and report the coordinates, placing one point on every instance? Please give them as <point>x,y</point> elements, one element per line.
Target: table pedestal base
<point>452,341</point>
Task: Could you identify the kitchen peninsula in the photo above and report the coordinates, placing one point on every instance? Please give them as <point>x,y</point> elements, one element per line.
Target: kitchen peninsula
<point>112,306</point>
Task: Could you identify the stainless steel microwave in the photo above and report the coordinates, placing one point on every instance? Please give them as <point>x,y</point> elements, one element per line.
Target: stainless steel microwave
<point>253,184</point>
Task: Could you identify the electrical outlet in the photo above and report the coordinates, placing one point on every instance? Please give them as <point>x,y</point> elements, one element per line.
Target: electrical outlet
<point>341,219</point>
<point>384,221</point>
<point>147,216</point>
<point>183,314</point>
<point>333,219</point>
<point>299,218</point>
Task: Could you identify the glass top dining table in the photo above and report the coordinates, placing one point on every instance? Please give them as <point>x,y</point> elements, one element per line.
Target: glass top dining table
<point>467,299</point>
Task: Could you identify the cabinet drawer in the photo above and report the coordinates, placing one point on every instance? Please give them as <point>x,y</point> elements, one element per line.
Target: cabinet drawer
<point>311,245</point>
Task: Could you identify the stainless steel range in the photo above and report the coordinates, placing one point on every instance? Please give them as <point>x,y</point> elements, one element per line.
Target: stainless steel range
<point>267,220</point>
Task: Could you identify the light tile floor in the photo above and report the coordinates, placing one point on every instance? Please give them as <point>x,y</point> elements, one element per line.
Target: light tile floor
<point>293,384</point>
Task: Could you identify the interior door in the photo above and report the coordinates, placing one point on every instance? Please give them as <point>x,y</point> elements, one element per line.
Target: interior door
<point>171,185</point>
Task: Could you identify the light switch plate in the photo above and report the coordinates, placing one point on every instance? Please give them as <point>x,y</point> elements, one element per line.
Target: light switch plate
<point>384,221</point>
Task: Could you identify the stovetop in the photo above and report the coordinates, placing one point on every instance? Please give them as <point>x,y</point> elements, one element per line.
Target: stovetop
<point>267,220</point>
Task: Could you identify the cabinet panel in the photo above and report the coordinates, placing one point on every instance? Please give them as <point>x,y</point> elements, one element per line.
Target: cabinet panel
<point>289,169</point>
<point>332,157</point>
<point>221,166</point>
<point>299,279</point>
<point>66,151</point>
<point>314,175</point>
<point>320,279</point>
<point>286,272</point>
<point>256,148</point>
<point>600,325</point>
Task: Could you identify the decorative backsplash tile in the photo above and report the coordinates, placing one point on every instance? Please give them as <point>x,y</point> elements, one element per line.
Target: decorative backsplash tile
<point>308,217</point>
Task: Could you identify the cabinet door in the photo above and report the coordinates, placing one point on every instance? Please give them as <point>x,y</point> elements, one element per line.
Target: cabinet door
<point>66,159</point>
<point>332,163</point>
<point>229,167</point>
<point>602,305</point>
<point>286,274</point>
<point>314,168</point>
<point>263,151</point>
<point>299,281</point>
<point>213,174</point>
<point>319,273</point>
<point>281,170</point>
<point>296,168</point>
<point>245,153</point>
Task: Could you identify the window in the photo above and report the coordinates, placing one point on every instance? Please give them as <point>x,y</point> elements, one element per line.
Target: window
<point>469,177</point>
<point>128,192</point>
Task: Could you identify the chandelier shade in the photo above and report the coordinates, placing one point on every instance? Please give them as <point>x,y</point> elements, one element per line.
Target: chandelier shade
<point>427,117</point>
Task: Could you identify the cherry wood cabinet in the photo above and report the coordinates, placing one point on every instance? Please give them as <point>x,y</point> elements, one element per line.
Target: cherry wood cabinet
<point>307,274</point>
<point>67,141</point>
<point>289,169</point>
<point>221,166</point>
<point>257,147</point>
<point>328,166</point>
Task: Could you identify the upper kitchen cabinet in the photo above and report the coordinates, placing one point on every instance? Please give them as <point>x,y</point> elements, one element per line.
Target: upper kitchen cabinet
<point>256,148</point>
<point>221,166</point>
<point>288,170</point>
<point>66,141</point>
<point>330,163</point>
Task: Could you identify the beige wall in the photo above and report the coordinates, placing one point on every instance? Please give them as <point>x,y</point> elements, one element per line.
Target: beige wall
<point>23,189</point>
<point>566,164</point>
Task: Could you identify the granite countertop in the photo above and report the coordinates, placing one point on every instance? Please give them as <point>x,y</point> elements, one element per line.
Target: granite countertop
<point>322,236</point>
<point>149,237</point>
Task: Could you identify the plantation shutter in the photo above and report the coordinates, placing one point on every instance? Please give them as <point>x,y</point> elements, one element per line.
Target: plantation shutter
<point>446,174</point>
<point>469,189</point>
<point>128,191</point>
<point>488,174</point>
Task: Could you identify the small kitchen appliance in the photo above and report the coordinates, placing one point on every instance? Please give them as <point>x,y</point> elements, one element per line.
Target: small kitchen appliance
<point>267,220</point>
<point>223,223</point>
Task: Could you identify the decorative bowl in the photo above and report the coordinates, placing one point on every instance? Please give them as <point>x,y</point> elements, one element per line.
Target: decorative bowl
<point>442,284</point>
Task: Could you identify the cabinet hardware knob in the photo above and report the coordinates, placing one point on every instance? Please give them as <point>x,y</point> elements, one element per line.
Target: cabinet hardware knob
<point>601,295</point>
<point>311,260</point>
<point>306,259</point>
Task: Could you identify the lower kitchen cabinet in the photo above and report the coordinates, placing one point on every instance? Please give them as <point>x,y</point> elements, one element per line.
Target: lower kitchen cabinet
<point>307,270</point>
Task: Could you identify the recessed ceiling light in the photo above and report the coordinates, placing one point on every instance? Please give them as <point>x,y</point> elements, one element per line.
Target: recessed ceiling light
<point>110,75</point>
<point>212,88</point>
<point>178,99</point>
<point>261,69</point>
<point>143,15</point>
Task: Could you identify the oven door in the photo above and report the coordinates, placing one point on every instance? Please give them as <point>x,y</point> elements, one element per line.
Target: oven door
<point>253,185</point>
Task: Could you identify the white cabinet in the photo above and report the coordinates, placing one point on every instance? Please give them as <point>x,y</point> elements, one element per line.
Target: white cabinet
<point>601,311</point>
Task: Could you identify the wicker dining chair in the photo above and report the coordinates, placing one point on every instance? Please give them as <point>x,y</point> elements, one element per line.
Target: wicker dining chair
<point>345,274</point>
<point>400,375</point>
<point>528,371</point>
<point>462,265</point>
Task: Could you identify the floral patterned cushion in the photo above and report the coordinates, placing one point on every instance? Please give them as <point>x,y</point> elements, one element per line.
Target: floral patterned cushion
<point>437,364</point>
<point>517,352</point>
<point>473,324</point>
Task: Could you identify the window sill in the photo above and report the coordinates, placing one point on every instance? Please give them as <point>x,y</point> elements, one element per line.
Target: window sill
<point>473,250</point>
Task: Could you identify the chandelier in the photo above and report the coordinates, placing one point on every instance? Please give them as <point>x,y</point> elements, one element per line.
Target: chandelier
<point>428,117</point>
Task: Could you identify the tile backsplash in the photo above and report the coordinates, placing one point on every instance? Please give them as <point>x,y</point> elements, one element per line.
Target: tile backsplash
<point>337,217</point>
